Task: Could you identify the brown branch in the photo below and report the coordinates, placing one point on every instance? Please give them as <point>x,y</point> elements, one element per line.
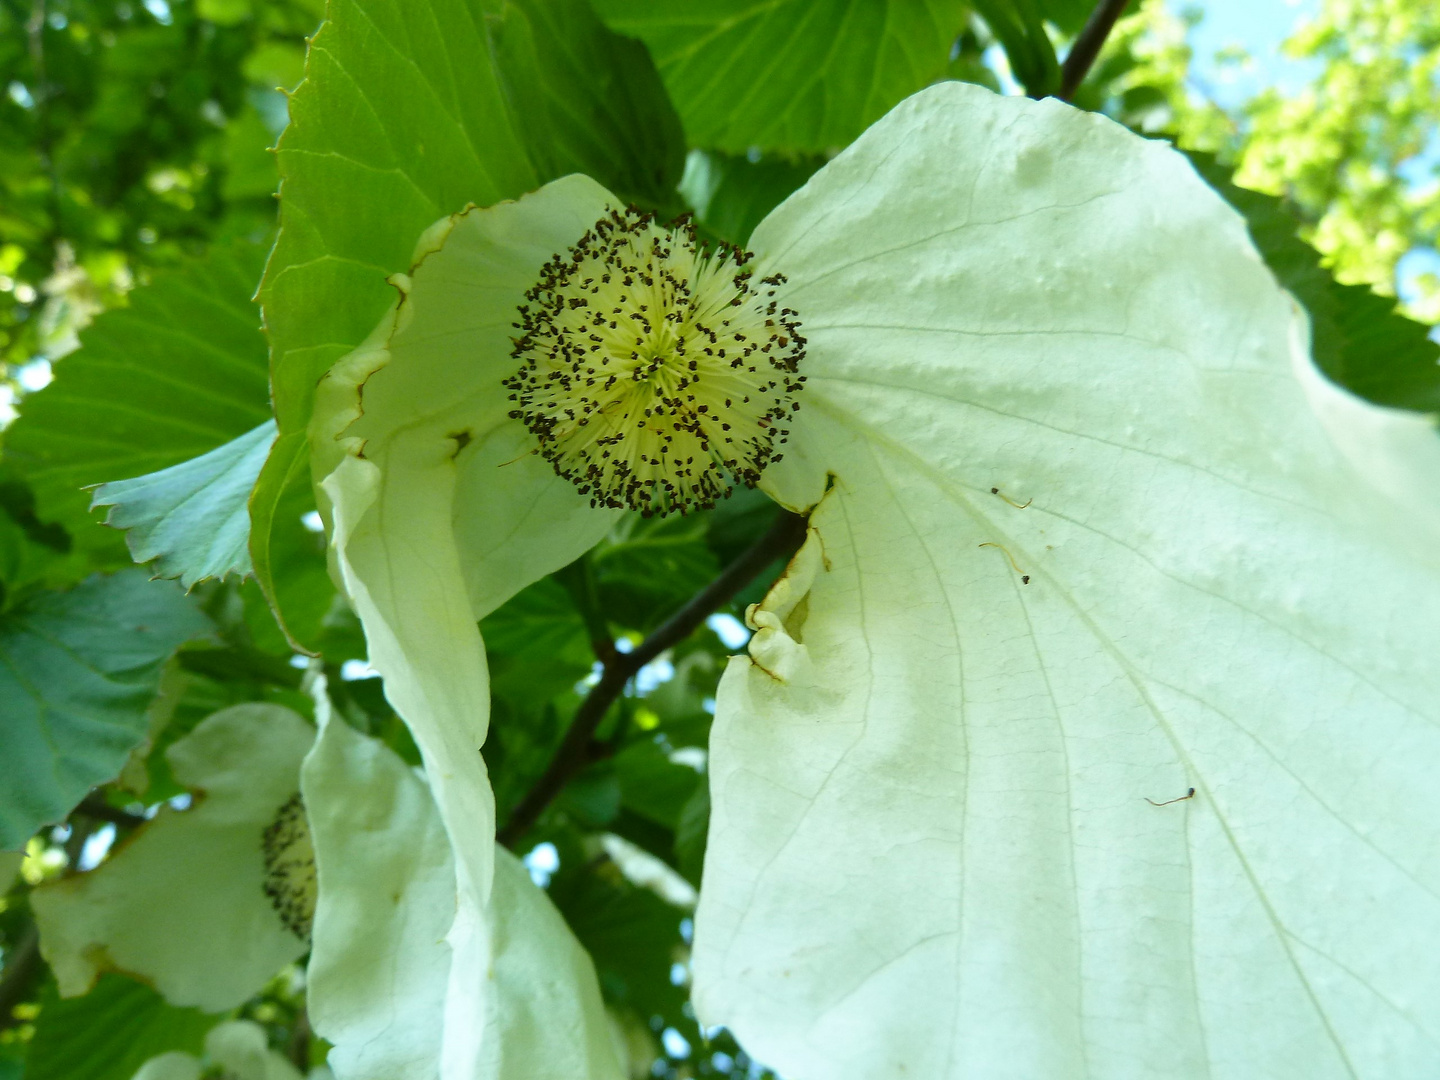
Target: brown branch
<point>1088,45</point>
<point>22,964</point>
<point>21,970</point>
<point>297,1049</point>
<point>574,753</point>
<point>95,806</point>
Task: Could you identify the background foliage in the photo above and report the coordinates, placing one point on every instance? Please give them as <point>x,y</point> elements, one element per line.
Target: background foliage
<point>137,214</point>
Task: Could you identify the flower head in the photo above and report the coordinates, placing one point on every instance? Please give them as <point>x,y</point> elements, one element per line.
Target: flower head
<point>653,375</point>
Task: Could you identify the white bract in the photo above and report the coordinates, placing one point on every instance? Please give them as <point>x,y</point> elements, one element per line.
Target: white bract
<point>1078,546</point>
<point>236,1049</point>
<point>380,967</point>
<point>182,904</point>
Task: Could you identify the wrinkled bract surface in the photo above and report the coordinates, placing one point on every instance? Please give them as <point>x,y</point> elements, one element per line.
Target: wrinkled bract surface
<point>380,966</point>
<point>441,512</point>
<point>182,904</point>
<point>931,849</point>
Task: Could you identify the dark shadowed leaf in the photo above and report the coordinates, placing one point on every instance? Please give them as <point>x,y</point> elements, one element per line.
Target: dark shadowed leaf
<point>731,194</point>
<point>77,671</point>
<point>791,75</point>
<point>110,1032</point>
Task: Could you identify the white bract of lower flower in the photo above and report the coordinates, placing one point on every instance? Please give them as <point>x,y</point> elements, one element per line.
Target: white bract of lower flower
<point>235,1049</point>
<point>1078,546</point>
<point>182,903</point>
<point>379,966</point>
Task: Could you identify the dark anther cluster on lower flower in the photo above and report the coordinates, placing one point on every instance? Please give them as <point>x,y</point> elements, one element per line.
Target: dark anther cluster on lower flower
<point>655,375</point>
<point>290,867</point>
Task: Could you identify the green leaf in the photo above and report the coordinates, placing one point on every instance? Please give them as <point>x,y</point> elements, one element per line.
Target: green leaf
<point>652,785</point>
<point>1356,336</point>
<point>177,373</point>
<point>791,75</point>
<point>192,519</point>
<point>26,564</point>
<point>77,671</point>
<point>183,904</point>
<point>110,1032</point>
<point>586,100</point>
<point>289,566</point>
<point>648,567</point>
<point>1019,26</point>
<point>1068,15</point>
<point>423,106</point>
<point>731,194</point>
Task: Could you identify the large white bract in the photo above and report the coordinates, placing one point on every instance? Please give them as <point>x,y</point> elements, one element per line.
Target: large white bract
<point>1079,545</point>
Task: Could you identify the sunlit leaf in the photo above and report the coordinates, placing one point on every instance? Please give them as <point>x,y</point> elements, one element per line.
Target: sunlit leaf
<point>177,373</point>
<point>191,520</point>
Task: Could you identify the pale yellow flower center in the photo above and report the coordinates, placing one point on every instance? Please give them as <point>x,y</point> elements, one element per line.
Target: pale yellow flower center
<point>655,376</point>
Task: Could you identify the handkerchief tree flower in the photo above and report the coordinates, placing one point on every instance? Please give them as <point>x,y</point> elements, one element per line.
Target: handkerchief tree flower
<point>1085,720</point>
<point>1091,729</point>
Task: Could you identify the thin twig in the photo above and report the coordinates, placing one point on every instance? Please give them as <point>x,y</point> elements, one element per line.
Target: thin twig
<point>298,1048</point>
<point>21,970</point>
<point>575,750</point>
<point>1088,45</point>
<point>95,806</point>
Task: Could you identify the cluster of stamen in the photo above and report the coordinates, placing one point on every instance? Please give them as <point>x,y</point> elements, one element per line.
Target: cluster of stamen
<point>290,867</point>
<point>654,375</point>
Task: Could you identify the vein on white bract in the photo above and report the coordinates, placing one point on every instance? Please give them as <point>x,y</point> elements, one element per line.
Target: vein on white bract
<point>933,849</point>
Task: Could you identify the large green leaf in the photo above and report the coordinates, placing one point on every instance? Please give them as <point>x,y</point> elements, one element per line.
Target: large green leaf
<point>175,374</point>
<point>77,670</point>
<point>110,1032</point>
<point>1356,336</point>
<point>411,109</point>
<point>795,75</point>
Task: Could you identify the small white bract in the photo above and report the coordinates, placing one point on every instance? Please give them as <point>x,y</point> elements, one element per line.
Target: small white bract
<point>655,375</point>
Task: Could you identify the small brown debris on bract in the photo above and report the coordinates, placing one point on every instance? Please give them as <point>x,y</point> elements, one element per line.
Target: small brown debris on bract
<point>1024,578</point>
<point>1179,798</point>
<point>1012,502</point>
